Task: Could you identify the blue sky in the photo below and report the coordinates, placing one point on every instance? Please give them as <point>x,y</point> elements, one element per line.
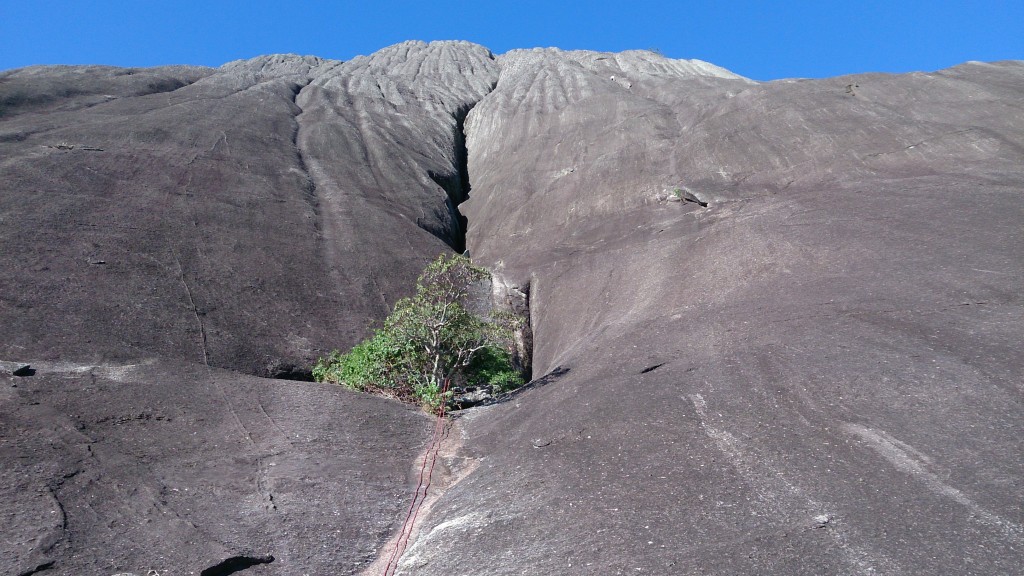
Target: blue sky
<point>761,40</point>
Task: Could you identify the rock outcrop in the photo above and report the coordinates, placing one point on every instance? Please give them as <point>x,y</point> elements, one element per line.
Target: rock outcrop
<point>160,466</point>
<point>192,220</point>
<point>246,218</point>
<point>814,373</point>
<point>774,325</point>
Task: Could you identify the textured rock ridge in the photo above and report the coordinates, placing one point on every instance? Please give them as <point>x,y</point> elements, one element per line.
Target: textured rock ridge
<point>191,197</point>
<point>775,326</point>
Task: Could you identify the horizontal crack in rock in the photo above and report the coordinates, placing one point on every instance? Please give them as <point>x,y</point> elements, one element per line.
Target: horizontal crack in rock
<point>38,569</point>
<point>236,564</point>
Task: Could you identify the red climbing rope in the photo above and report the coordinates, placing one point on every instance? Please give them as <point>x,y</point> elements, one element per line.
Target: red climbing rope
<point>422,485</point>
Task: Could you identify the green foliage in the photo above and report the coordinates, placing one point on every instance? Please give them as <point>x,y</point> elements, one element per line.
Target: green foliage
<point>431,343</point>
<point>323,370</point>
<point>369,366</point>
<point>492,368</point>
<point>431,397</point>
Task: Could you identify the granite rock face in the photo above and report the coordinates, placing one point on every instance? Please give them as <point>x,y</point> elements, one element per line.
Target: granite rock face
<point>179,468</point>
<point>191,220</point>
<point>815,373</point>
<point>778,321</point>
<point>249,218</point>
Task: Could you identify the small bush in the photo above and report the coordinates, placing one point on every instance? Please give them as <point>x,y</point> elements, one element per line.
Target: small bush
<point>491,368</point>
<point>368,367</point>
<point>431,344</point>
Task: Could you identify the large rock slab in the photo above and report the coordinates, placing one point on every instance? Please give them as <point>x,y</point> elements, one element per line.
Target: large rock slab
<point>249,217</point>
<point>778,321</point>
<point>160,225</point>
<point>179,468</point>
<point>816,373</point>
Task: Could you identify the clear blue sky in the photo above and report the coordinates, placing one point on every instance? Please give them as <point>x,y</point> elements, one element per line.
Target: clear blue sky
<point>761,40</point>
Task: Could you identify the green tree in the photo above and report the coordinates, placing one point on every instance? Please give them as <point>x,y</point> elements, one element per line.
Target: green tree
<point>431,342</point>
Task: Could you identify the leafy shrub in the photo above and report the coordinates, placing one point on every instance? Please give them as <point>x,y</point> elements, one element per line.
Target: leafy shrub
<point>369,366</point>
<point>323,370</point>
<point>431,343</point>
<point>492,368</point>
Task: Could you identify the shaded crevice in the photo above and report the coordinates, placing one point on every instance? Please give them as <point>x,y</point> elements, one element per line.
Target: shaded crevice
<point>555,373</point>
<point>489,400</point>
<point>292,372</point>
<point>652,368</point>
<point>236,564</point>
<point>310,187</point>
<point>462,161</point>
<point>40,568</point>
<point>522,359</point>
<point>457,184</point>
<point>26,370</point>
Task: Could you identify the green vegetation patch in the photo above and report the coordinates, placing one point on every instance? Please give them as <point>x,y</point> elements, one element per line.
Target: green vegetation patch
<point>432,345</point>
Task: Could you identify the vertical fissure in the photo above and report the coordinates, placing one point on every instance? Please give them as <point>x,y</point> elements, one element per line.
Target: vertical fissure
<point>310,187</point>
<point>462,162</point>
<point>457,185</point>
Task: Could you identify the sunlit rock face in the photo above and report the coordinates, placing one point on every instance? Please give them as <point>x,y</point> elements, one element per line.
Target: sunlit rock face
<point>774,325</point>
<point>246,217</point>
<point>788,314</point>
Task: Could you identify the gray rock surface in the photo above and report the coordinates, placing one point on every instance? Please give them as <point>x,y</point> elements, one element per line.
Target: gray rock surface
<point>178,468</point>
<point>834,335</point>
<point>779,321</point>
<point>215,218</point>
<point>245,218</point>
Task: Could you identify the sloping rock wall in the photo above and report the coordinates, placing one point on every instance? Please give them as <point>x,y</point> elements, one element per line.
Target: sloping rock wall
<point>156,466</point>
<point>814,373</point>
<point>244,217</point>
<point>775,325</point>
<point>163,226</point>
